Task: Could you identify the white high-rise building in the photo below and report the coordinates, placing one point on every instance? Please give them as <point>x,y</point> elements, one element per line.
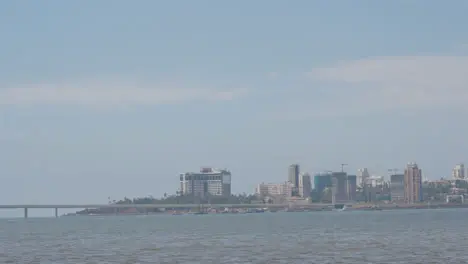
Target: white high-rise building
<point>362,176</point>
<point>458,172</point>
<point>208,181</point>
<point>305,185</point>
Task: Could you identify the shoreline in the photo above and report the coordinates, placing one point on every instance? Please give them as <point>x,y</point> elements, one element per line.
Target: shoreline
<point>308,208</point>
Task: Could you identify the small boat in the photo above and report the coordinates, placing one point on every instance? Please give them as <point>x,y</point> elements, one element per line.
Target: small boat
<point>339,207</point>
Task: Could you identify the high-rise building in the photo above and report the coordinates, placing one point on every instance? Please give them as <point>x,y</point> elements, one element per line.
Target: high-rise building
<point>413,183</point>
<point>397,188</point>
<point>458,173</point>
<point>322,181</point>
<point>352,185</point>
<point>339,187</point>
<point>208,181</point>
<point>362,176</point>
<point>293,175</point>
<point>305,185</point>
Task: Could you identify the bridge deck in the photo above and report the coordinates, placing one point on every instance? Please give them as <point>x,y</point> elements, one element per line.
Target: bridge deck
<point>90,206</point>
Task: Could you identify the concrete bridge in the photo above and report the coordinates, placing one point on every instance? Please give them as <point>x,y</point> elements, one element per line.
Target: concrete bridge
<point>56,207</point>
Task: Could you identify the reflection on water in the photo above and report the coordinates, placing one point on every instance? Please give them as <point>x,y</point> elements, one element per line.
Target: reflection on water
<point>418,236</point>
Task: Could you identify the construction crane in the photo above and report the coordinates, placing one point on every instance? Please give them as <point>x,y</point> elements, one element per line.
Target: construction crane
<point>342,166</point>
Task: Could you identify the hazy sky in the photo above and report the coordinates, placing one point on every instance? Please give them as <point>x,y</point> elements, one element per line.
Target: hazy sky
<point>115,98</point>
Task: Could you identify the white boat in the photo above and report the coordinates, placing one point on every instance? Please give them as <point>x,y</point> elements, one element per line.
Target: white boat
<point>340,209</point>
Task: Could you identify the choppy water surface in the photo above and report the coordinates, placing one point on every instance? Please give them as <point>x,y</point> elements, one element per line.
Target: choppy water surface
<point>419,236</point>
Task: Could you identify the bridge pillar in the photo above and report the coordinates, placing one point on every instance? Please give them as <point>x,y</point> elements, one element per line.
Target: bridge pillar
<point>56,212</point>
<point>25,212</point>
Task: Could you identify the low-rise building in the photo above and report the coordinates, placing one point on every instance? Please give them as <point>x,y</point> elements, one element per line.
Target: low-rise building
<point>275,189</point>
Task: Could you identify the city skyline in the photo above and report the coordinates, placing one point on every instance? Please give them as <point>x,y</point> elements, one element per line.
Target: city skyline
<point>101,99</point>
<point>340,187</point>
<point>295,177</point>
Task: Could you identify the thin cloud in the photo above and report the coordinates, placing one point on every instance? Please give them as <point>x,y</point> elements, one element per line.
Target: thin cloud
<point>111,94</point>
<point>272,75</point>
<point>389,83</point>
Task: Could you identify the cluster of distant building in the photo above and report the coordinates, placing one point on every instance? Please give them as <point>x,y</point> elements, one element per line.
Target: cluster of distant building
<point>299,185</point>
<point>341,187</point>
<point>328,186</point>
